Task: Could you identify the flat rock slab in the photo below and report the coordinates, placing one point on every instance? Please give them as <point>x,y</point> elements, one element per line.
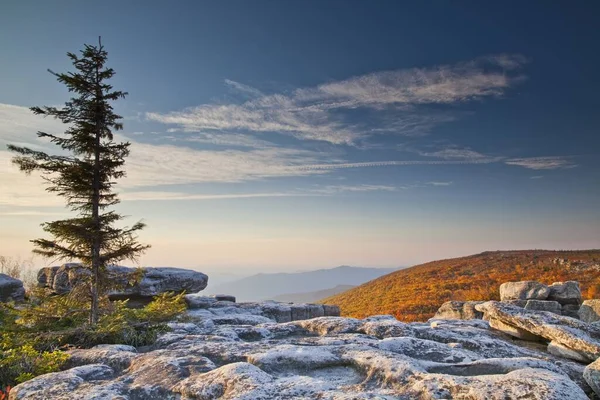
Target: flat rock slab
<point>238,351</point>
<point>11,289</point>
<point>276,311</point>
<point>135,282</point>
<point>573,334</point>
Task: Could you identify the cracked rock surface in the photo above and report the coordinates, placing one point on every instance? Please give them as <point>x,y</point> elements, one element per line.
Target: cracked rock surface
<point>264,351</point>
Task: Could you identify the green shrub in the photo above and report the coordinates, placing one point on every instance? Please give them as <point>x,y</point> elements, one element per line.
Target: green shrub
<point>32,334</point>
<point>19,364</point>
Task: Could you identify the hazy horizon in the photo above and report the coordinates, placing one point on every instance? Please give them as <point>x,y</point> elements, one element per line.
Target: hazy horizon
<point>286,136</point>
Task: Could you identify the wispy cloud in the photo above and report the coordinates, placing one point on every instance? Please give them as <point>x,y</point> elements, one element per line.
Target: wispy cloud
<point>228,139</point>
<point>334,189</point>
<point>457,153</point>
<point>317,113</point>
<point>391,163</point>
<point>539,163</point>
<point>245,89</point>
<point>160,196</point>
<point>440,183</point>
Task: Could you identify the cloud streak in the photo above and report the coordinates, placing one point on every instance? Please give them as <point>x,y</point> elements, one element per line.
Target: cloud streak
<point>541,163</point>
<point>319,113</point>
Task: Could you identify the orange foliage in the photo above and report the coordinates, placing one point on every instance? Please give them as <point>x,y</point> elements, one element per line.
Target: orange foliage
<point>415,294</point>
<point>4,393</point>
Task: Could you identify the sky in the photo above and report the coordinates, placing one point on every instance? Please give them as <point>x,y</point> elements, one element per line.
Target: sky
<point>278,136</point>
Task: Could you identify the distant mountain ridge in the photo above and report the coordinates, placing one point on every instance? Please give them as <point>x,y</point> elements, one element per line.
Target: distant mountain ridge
<point>266,286</point>
<point>312,297</point>
<point>415,293</point>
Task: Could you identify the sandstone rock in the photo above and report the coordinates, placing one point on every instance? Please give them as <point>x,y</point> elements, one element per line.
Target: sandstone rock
<point>459,310</point>
<point>60,384</point>
<point>153,375</point>
<point>328,325</point>
<point>591,374</point>
<point>423,349</point>
<point>223,352</point>
<point>279,312</point>
<point>11,289</point>
<point>151,282</point>
<point>590,311</point>
<point>196,300</point>
<point>224,297</point>
<point>518,303</point>
<point>118,357</point>
<point>573,334</point>
<point>330,310</point>
<point>514,331</point>
<point>527,383</point>
<point>565,292</point>
<point>561,351</point>
<point>524,290</point>
<point>544,305</point>
<point>570,310</point>
<point>237,380</point>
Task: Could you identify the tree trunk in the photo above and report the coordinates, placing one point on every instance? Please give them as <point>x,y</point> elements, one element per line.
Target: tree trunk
<point>96,262</point>
<point>96,233</point>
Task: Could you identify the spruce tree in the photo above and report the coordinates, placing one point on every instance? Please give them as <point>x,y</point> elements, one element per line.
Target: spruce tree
<point>84,173</point>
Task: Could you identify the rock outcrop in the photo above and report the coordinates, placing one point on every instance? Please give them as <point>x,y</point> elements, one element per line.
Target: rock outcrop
<point>272,350</point>
<point>590,311</point>
<point>135,282</point>
<point>11,289</point>
<point>459,310</point>
<point>228,350</point>
<point>565,292</point>
<point>525,290</point>
<point>575,335</point>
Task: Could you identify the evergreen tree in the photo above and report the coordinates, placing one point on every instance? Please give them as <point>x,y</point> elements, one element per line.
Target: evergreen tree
<point>85,172</point>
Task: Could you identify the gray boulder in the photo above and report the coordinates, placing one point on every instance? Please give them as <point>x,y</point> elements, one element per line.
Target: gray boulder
<point>590,311</point>
<point>591,374</point>
<point>459,310</point>
<point>11,289</point>
<point>570,333</point>
<point>544,305</point>
<point>135,282</point>
<point>524,290</point>
<point>565,292</point>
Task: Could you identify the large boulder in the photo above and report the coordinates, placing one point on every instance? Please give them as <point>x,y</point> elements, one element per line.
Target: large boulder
<point>591,374</point>
<point>570,333</point>
<point>459,310</point>
<point>565,292</point>
<point>524,290</point>
<point>134,282</point>
<point>11,289</point>
<point>590,311</point>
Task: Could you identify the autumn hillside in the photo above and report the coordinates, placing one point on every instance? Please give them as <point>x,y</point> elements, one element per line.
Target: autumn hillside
<point>414,294</point>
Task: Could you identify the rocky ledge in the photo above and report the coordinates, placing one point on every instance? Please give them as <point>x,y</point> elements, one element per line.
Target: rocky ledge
<point>136,283</point>
<point>232,350</point>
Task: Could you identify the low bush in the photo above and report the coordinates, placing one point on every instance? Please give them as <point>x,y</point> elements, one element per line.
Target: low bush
<point>34,334</point>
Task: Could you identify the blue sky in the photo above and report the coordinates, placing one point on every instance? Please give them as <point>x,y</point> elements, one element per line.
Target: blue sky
<point>285,135</point>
